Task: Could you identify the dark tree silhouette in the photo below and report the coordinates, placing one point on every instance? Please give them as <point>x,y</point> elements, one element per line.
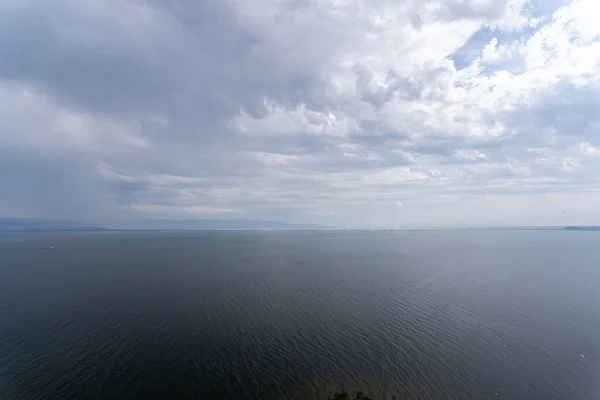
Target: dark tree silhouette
<point>344,395</point>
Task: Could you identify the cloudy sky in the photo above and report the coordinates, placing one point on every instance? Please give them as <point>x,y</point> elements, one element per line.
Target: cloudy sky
<point>366,113</point>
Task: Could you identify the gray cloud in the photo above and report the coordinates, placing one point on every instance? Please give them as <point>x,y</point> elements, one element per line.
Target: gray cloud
<point>297,110</point>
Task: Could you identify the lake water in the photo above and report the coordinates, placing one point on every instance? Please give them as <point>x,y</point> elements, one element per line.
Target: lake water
<point>298,315</point>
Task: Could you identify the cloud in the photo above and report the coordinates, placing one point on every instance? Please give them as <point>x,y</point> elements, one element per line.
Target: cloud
<point>363,113</point>
<point>185,211</point>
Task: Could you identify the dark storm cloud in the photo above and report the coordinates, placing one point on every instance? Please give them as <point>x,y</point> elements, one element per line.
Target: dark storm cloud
<point>179,60</point>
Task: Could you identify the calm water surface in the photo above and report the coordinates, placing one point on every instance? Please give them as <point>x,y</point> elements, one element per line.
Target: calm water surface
<point>297,315</point>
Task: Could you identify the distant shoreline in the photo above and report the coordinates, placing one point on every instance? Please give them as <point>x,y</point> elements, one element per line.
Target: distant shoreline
<point>476,228</point>
<point>583,228</point>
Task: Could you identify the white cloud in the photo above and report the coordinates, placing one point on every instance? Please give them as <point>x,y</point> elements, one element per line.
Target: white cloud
<point>589,150</point>
<point>191,211</point>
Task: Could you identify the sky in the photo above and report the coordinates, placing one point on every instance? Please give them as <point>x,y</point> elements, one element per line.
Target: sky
<point>356,113</point>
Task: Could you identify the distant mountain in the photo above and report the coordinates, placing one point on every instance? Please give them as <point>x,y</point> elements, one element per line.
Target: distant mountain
<point>26,224</point>
<point>213,224</point>
<point>582,228</point>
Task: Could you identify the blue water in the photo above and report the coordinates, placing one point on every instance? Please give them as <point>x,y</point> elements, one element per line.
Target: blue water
<point>298,315</point>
